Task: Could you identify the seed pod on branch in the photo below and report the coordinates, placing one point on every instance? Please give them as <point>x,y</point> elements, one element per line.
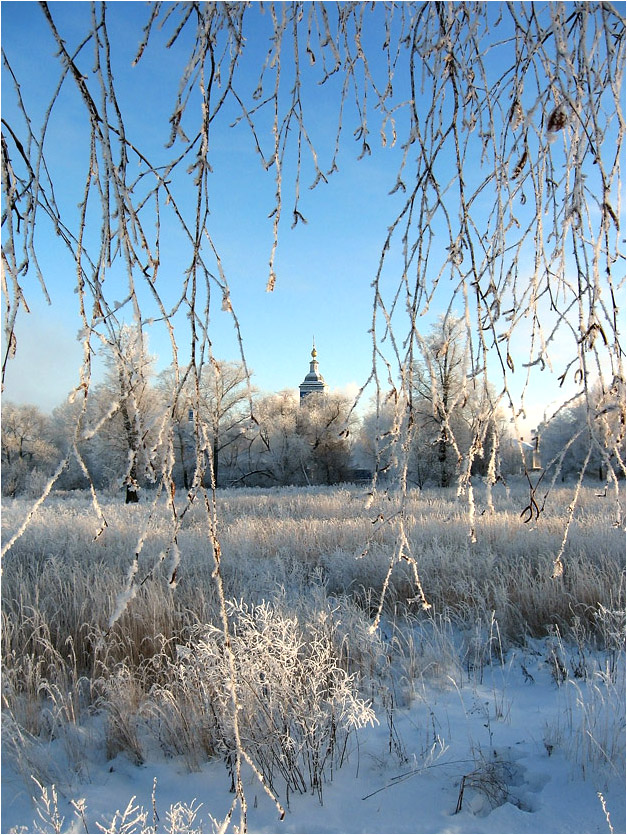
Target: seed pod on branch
<point>557,120</point>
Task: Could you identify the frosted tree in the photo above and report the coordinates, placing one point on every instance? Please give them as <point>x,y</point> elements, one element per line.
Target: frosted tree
<point>126,404</point>
<point>276,452</point>
<point>222,404</point>
<point>565,440</point>
<point>439,385</point>
<point>225,407</point>
<point>452,412</point>
<point>324,421</point>
<point>27,445</point>
<point>506,123</point>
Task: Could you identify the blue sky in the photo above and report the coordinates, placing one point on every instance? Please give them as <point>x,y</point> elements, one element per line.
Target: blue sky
<point>324,268</point>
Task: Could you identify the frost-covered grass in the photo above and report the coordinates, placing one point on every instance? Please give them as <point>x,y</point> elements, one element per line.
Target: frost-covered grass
<point>303,571</point>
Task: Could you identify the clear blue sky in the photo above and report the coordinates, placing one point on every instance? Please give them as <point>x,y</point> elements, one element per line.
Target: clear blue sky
<point>325,268</point>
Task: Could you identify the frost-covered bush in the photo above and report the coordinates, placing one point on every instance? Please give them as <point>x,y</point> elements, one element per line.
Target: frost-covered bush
<point>297,704</point>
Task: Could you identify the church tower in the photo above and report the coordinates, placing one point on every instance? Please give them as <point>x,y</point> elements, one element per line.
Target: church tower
<point>314,381</point>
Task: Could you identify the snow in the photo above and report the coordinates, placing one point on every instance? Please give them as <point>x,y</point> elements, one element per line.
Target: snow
<point>511,732</point>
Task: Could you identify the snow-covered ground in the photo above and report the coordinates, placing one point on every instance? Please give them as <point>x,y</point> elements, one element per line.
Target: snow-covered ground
<point>518,742</point>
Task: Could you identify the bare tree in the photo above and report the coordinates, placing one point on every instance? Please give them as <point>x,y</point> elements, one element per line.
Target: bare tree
<point>299,442</point>
<point>440,391</point>
<point>226,407</point>
<point>179,404</point>
<point>63,421</point>
<point>565,440</point>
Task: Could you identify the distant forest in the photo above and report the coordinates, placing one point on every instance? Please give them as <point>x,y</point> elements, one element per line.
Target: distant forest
<point>255,439</point>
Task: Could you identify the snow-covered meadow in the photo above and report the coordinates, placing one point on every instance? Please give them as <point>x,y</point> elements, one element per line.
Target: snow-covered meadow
<point>500,709</point>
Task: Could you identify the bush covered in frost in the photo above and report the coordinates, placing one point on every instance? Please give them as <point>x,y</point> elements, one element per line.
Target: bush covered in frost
<point>297,704</point>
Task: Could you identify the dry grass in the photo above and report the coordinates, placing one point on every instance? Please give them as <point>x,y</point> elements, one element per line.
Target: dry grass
<point>60,586</point>
<point>316,559</point>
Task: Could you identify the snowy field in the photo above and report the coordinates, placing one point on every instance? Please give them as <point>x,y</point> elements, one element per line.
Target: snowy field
<point>501,709</point>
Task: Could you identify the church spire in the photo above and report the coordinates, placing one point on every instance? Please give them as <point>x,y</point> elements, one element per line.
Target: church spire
<point>314,381</point>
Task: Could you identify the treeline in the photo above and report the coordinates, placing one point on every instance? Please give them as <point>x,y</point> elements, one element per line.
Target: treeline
<point>136,425</point>
<point>251,439</point>
<point>281,442</point>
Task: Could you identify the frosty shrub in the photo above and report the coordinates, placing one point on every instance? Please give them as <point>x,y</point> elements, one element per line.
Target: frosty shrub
<point>134,818</point>
<point>120,701</point>
<point>297,704</point>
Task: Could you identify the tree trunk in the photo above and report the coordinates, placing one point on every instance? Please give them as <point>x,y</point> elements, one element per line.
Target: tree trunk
<point>444,474</point>
<point>132,440</point>
<point>215,460</point>
<point>183,464</point>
